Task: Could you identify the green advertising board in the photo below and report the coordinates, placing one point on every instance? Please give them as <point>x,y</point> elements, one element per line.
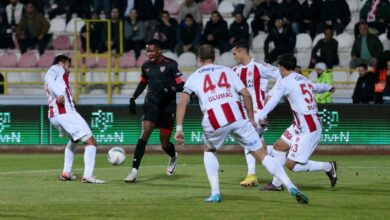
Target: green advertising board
<point>113,125</point>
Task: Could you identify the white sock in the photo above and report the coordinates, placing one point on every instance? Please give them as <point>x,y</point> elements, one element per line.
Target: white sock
<point>312,166</point>
<point>68,156</point>
<point>280,156</point>
<point>277,170</point>
<point>251,162</point>
<point>212,167</point>
<point>89,160</point>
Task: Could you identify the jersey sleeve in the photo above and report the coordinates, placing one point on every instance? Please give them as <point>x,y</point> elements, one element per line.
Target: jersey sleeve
<point>279,91</point>
<point>53,80</point>
<point>144,76</point>
<point>189,86</point>
<point>321,87</point>
<point>178,75</point>
<point>269,72</point>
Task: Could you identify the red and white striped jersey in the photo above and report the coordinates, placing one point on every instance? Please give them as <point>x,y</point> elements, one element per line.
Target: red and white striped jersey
<point>57,84</point>
<point>300,95</point>
<point>217,89</point>
<point>255,76</point>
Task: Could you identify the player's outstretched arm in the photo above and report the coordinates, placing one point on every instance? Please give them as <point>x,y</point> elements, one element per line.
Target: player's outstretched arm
<point>323,87</point>
<point>180,112</point>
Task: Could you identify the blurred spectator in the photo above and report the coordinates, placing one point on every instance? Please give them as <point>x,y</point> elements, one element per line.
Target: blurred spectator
<point>190,7</point>
<point>323,76</point>
<point>334,14</point>
<point>282,37</point>
<point>115,35</point>
<point>69,8</point>
<point>239,29</point>
<point>14,13</point>
<point>309,11</point>
<point>5,34</point>
<point>364,89</point>
<point>376,14</point>
<point>216,32</point>
<point>380,71</point>
<point>386,91</point>
<point>99,5</point>
<point>150,11</point>
<point>289,10</point>
<point>367,48</point>
<point>250,6</point>
<point>131,4</point>
<point>134,33</point>
<point>188,35</point>
<point>264,14</point>
<point>328,47</point>
<point>95,32</point>
<point>32,30</point>
<point>166,31</point>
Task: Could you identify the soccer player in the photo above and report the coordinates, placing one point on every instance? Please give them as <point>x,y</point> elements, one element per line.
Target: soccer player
<point>218,89</point>
<point>302,137</point>
<point>164,80</point>
<point>64,117</point>
<point>255,77</point>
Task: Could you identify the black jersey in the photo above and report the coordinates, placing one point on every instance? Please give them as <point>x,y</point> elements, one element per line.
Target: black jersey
<point>162,78</point>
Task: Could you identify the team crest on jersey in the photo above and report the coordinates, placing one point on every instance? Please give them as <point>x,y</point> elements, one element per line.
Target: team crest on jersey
<point>147,69</point>
<point>162,68</point>
<point>250,73</point>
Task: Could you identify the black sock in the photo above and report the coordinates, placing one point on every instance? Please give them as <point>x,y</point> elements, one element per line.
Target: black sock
<point>170,149</point>
<point>139,153</point>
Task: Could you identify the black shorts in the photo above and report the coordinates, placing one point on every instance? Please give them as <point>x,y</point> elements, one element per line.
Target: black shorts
<point>163,118</point>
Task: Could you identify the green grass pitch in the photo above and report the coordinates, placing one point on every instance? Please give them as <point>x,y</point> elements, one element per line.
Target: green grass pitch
<point>30,189</point>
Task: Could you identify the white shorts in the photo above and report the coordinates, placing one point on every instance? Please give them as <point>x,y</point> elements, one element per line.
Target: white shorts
<point>242,130</point>
<point>72,125</point>
<point>289,135</point>
<point>303,145</point>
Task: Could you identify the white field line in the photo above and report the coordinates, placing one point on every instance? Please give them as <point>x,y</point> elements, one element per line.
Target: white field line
<point>154,166</point>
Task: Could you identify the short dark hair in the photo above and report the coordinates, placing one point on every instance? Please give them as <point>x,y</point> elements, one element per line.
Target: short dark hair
<point>206,52</point>
<point>363,65</point>
<point>61,58</point>
<point>165,12</point>
<point>288,61</point>
<point>154,42</point>
<point>241,44</point>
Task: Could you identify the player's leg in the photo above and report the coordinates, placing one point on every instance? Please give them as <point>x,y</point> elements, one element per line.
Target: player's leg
<point>147,129</point>
<point>298,158</point>
<point>213,140</point>
<point>89,159</point>
<point>251,178</point>
<point>69,151</point>
<point>166,127</point>
<point>246,136</point>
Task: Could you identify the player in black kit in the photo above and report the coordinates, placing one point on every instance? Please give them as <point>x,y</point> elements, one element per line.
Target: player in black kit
<point>163,79</point>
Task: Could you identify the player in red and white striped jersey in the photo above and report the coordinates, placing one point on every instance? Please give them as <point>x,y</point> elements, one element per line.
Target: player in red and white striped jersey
<point>306,129</point>
<point>64,117</point>
<point>218,89</point>
<point>255,76</point>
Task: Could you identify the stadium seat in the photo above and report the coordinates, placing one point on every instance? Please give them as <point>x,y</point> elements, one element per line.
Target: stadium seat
<point>317,38</point>
<point>303,58</point>
<point>171,7</point>
<point>102,62</point>
<point>8,59</point>
<point>90,62</point>
<point>339,76</point>
<point>208,6</point>
<point>354,77</point>
<point>170,55</point>
<point>141,59</point>
<point>345,41</point>
<point>57,25</point>
<point>344,57</point>
<point>385,41</point>
<point>258,41</point>
<point>61,42</point>
<point>226,59</point>
<point>71,25</point>
<point>303,42</point>
<point>127,60</point>
<point>187,59</point>
<point>226,8</point>
<point>46,59</point>
<point>27,60</point>
<point>353,6</point>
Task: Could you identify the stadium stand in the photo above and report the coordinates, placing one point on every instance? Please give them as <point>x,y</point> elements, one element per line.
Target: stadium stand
<point>63,40</point>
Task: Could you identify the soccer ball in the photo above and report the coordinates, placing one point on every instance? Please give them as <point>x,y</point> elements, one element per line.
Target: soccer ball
<point>116,156</point>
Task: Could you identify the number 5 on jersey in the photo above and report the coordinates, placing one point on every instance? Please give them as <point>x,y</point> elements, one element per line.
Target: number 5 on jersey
<point>209,86</point>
